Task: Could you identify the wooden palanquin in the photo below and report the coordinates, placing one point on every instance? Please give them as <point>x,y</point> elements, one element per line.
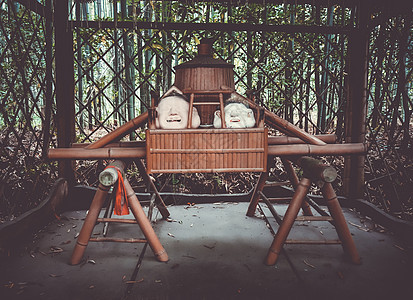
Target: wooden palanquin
<point>206,150</point>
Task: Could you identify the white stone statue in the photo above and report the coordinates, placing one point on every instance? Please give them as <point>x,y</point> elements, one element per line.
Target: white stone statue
<point>237,115</point>
<point>172,111</point>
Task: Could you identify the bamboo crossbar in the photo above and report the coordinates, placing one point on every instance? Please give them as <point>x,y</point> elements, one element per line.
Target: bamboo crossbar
<point>272,140</point>
<point>313,242</point>
<point>112,220</point>
<point>208,92</point>
<point>314,218</point>
<point>140,152</point>
<point>101,153</point>
<point>279,199</point>
<point>118,240</point>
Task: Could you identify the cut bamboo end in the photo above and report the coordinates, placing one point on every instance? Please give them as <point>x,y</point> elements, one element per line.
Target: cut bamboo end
<point>162,256</point>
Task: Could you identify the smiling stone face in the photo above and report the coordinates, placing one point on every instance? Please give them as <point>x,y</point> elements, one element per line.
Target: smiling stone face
<point>173,114</point>
<point>237,115</point>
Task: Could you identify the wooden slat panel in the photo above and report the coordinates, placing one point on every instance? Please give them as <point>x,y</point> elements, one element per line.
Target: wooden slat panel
<point>207,150</point>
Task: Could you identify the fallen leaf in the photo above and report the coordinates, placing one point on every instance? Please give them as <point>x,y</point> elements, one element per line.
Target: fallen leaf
<point>171,235</point>
<point>398,247</point>
<point>308,264</point>
<point>54,275</point>
<point>54,249</point>
<point>209,247</point>
<point>91,261</point>
<point>134,281</point>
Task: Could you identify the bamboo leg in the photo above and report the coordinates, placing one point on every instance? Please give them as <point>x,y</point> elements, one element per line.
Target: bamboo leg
<point>340,223</point>
<point>288,221</point>
<point>255,198</point>
<point>144,224</point>
<point>89,224</point>
<point>159,201</point>
<point>294,181</point>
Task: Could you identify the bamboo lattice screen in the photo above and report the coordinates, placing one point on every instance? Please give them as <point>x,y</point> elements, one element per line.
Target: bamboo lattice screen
<point>293,57</point>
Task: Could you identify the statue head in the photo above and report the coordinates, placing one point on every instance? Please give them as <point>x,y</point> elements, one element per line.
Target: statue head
<point>172,111</point>
<point>237,115</point>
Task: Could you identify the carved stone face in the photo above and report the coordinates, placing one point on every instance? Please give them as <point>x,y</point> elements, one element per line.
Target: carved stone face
<point>173,114</point>
<point>237,115</point>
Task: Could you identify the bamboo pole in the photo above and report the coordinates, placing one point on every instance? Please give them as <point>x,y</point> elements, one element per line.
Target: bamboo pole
<point>316,169</point>
<point>357,103</point>
<point>294,181</point>
<point>288,221</point>
<point>287,140</point>
<point>159,203</point>
<point>340,223</point>
<point>120,131</point>
<point>101,153</point>
<point>144,224</point>
<point>272,140</point>
<point>89,224</point>
<point>140,152</point>
<point>255,198</point>
<point>304,149</point>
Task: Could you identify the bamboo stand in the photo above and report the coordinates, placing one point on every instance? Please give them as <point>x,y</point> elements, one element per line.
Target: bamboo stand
<point>317,172</point>
<point>93,217</point>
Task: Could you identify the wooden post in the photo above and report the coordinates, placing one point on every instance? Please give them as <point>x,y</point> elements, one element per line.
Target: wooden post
<point>64,85</point>
<point>356,104</point>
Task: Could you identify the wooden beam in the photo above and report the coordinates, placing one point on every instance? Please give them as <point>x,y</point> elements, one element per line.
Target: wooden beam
<point>64,85</point>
